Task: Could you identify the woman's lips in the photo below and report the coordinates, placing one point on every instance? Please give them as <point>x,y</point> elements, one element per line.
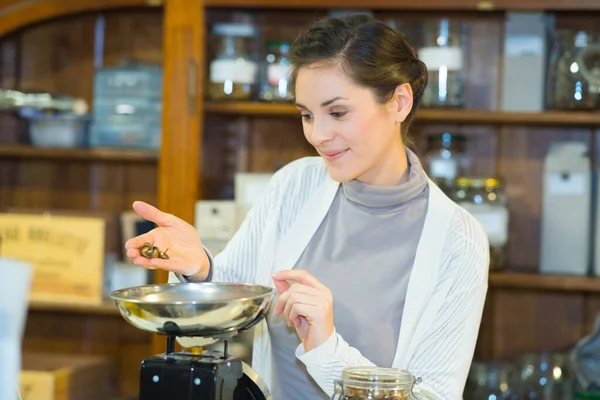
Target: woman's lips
<point>333,155</point>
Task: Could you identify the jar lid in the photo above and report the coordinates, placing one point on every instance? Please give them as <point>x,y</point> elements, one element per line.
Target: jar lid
<point>234,29</point>
<point>463,181</point>
<point>478,182</point>
<point>379,375</point>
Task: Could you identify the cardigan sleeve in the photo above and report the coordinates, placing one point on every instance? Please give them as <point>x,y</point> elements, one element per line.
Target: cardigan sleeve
<point>443,355</point>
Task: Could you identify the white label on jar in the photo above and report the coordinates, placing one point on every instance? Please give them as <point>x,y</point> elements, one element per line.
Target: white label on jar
<point>494,220</point>
<point>443,168</point>
<point>237,71</point>
<point>277,72</point>
<point>570,185</point>
<point>437,57</point>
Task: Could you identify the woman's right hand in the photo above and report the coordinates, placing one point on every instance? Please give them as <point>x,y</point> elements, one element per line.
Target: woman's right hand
<point>179,239</point>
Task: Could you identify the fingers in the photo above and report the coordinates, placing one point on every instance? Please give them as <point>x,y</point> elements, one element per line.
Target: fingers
<point>159,263</point>
<point>292,294</point>
<point>281,286</point>
<point>296,299</point>
<point>133,244</point>
<point>299,311</point>
<point>153,214</point>
<point>300,276</point>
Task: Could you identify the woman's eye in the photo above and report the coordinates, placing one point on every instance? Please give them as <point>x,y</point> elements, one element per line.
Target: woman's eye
<point>338,115</point>
<point>306,117</point>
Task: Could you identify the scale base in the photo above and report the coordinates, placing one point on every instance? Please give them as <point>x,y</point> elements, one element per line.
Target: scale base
<point>185,376</point>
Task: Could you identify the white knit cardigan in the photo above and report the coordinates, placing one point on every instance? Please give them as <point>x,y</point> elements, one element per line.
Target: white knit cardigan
<point>446,290</point>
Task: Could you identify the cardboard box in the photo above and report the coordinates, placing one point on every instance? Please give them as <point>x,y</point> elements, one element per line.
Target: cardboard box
<point>67,253</point>
<point>46,376</point>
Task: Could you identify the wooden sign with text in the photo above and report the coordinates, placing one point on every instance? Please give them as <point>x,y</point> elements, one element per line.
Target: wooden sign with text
<point>66,253</point>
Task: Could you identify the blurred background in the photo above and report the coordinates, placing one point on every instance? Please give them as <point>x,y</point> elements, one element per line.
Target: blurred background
<point>186,105</point>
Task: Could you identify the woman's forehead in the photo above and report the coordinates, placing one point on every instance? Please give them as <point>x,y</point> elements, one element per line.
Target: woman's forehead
<point>319,84</point>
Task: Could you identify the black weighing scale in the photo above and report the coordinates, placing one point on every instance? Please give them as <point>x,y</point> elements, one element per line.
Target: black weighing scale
<point>216,311</point>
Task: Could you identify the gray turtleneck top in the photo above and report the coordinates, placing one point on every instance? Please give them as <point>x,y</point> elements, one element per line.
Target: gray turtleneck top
<point>363,251</point>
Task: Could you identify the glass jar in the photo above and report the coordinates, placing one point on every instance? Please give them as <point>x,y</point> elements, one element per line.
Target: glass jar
<point>492,380</point>
<point>358,383</point>
<point>484,199</point>
<point>445,158</point>
<point>233,70</point>
<point>545,376</point>
<point>443,52</point>
<point>574,72</point>
<point>275,85</point>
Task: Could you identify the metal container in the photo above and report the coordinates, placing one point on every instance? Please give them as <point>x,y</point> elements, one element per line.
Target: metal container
<point>208,309</point>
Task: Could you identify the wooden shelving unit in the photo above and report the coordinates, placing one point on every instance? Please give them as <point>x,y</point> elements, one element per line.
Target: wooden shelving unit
<point>107,308</point>
<point>539,282</point>
<point>463,5</point>
<point>534,311</point>
<point>467,117</point>
<point>107,154</point>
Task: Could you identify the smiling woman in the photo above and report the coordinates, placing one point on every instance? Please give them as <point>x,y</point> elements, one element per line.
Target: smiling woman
<point>373,264</point>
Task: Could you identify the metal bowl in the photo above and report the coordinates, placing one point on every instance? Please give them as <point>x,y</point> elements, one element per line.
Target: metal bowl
<point>208,309</point>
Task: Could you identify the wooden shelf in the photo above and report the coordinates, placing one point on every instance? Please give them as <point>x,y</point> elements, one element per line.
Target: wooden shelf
<point>510,280</point>
<point>467,5</point>
<point>122,155</point>
<point>467,117</point>
<point>107,308</point>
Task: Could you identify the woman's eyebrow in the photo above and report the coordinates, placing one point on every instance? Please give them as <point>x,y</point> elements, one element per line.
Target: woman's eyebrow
<point>323,104</point>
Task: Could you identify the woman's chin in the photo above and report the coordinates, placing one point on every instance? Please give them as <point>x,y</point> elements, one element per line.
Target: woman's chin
<point>340,176</point>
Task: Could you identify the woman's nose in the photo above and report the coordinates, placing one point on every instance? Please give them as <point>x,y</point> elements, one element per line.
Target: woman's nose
<point>321,132</point>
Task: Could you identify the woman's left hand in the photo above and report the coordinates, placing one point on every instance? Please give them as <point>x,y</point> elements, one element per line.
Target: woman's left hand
<point>307,305</point>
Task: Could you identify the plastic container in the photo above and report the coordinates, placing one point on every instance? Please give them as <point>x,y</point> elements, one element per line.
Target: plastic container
<point>129,80</point>
<point>56,129</point>
<point>137,135</point>
<point>127,110</point>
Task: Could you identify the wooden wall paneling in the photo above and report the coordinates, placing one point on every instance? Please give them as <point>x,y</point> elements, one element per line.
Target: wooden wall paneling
<point>522,152</point>
<point>11,128</point>
<point>33,184</point>
<point>140,184</point>
<point>9,56</point>
<point>275,142</point>
<point>74,333</point>
<point>55,52</point>
<point>216,181</point>
<point>484,349</point>
<point>107,187</point>
<point>530,321</point>
<point>592,312</point>
<point>7,183</point>
<point>135,35</point>
<point>15,14</point>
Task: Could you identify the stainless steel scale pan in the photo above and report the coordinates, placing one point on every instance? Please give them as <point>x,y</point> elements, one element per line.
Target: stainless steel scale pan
<point>209,309</point>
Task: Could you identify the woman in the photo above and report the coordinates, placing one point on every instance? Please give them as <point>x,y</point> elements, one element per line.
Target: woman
<point>385,270</point>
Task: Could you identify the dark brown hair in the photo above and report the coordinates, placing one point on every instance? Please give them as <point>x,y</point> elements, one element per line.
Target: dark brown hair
<point>371,53</point>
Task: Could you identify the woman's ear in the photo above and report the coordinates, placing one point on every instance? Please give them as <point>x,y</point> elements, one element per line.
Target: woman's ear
<point>402,101</point>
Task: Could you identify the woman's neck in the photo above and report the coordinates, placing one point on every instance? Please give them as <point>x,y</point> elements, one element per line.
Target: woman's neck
<point>392,169</point>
